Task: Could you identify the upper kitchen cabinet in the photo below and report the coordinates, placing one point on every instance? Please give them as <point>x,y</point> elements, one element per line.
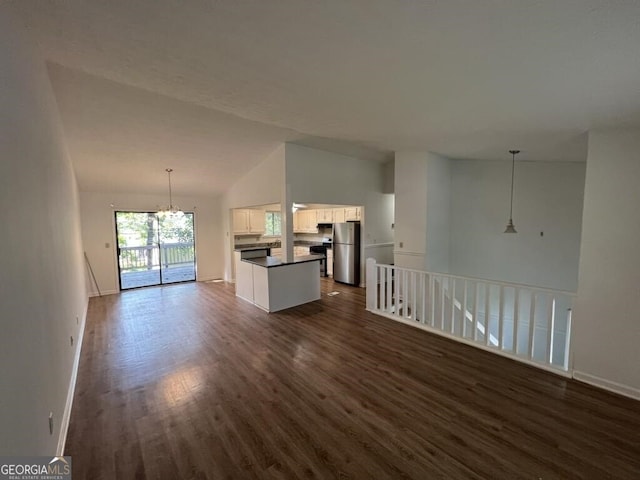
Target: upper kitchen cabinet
<point>248,222</point>
<point>338,215</point>
<point>324,215</point>
<point>352,213</point>
<point>305,221</point>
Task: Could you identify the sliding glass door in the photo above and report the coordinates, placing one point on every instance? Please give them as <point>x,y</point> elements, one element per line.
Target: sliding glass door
<point>155,249</point>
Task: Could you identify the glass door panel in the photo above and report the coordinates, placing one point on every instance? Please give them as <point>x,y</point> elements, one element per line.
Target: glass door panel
<point>177,248</point>
<point>138,251</point>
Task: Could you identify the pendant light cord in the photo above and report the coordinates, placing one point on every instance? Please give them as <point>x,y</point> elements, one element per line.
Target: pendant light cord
<point>169,170</point>
<point>513,168</point>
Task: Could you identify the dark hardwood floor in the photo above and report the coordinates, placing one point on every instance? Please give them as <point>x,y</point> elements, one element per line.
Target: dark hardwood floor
<point>188,381</point>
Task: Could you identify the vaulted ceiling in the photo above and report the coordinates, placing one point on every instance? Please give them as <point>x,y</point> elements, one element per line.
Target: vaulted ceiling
<point>211,87</point>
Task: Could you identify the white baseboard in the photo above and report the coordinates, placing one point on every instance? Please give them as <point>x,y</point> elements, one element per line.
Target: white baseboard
<point>609,385</point>
<point>66,416</point>
<point>103,292</point>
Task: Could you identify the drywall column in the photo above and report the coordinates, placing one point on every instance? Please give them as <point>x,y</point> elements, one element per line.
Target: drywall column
<point>606,314</point>
<point>286,224</point>
<point>262,185</point>
<point>43,295</point>
<point>422,211</point>
<point>410,186</point>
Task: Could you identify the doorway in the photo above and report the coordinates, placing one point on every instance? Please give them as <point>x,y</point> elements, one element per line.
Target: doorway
<point>155,249</point>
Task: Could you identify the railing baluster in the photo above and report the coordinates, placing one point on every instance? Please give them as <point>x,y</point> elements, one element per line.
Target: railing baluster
<point>424,296</point>
<point>464,311</point>
<point>404,297</point>
<point>532,324</point>
<point>442,303</point>
<point>378,287</point>
<point>432,299</point>
<point>383,289</point>
<point>567,341</point>
<point>453,306</point>
<point>390,285</point>
<point>551,324</point>
<point>516,320</point>
<point>475,311</point>
<point>414,294</point>
<point>487,314</point>
<point>501,319</point>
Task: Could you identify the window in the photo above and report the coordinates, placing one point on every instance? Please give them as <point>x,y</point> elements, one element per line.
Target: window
<point>272,223</point>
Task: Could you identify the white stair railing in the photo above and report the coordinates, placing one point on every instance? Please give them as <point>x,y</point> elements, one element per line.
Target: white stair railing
<point>529,324</point>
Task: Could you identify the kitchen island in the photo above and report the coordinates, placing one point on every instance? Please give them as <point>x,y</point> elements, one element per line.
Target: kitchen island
<point>273,284</point>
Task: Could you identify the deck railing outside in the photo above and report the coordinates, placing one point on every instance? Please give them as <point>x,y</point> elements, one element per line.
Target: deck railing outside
<point>148,256</point>
<point>527,323</point>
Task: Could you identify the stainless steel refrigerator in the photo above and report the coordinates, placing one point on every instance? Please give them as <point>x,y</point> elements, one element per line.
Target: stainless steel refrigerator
<point>346,252</point>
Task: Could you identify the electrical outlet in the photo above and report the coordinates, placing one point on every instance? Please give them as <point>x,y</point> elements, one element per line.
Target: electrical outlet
<point>401,244</point>
<point>72,340</point>
<point>50,423</point>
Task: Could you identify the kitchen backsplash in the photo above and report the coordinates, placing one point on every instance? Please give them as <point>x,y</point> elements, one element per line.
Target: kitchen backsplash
<point>307,238</point>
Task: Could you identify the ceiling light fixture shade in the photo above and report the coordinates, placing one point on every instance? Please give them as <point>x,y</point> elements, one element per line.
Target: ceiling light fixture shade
<point>171,209</point>
<point>510,227</point>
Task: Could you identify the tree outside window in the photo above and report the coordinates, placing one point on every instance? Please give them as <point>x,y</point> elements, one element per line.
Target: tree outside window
<point>272,223</point>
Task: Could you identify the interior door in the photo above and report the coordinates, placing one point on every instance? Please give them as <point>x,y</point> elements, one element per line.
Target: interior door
<point>154,249</point>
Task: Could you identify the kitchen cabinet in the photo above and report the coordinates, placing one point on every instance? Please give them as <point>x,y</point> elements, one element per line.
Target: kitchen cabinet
<point>273,285</point>
<point>330,262</point>
<point>338,215</point>
<point>324,215</point>
<point>248,221</point>
<point>257,221</point>
<point>352,213</point>
<point>305,221</point>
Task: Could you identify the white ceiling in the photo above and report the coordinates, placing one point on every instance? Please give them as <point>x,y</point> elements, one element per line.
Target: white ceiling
<point>210,87</point>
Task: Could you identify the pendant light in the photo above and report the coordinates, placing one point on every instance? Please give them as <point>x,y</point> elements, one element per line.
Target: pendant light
<point>510,227</point>
<point>171,209</point>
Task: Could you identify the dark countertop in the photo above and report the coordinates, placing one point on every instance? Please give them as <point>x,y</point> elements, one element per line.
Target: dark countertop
<point>249,249</point>
<point>296,243</point>
<point>269,262</point>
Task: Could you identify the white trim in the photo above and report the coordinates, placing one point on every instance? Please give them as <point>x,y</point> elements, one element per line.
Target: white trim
<point>609,385</point>
<point>497,351</point>
<point>207,278</point>
<point>66,416</point>
<point>107,292</point>
<point>378,245</point>
<point>408,254</point>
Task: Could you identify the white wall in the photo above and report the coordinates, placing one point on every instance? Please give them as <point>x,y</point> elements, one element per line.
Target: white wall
<point>438,213</point>
<point>410,210</point>
<point>547,198</point>
<point>98,229</point>
<point>422,204</point>
<point>607,312</point>
<point>263,185</point>
<point>42,289</point>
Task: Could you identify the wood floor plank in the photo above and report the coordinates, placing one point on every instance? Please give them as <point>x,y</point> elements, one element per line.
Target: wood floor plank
<point>188,381</point>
